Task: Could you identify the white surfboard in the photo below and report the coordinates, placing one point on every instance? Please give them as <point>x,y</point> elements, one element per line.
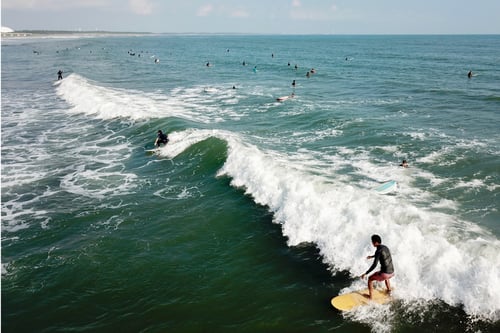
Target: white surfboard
<point>387,187</point>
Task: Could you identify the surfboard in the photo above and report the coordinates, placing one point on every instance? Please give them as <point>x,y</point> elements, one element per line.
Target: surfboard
<point>152,151</point>
<point>387,187</point>
<point>347,302</point>
<point>282,98</point>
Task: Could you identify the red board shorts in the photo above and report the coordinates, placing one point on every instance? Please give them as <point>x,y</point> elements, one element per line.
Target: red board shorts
<point>379,276</point>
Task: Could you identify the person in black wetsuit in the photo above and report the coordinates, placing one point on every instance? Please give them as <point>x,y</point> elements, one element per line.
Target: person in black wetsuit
<point>386,272</point>
<point>161,138</point>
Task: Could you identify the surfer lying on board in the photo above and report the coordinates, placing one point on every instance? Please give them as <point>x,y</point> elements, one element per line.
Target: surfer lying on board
<point>284,98</point>
<point>386,272</point>
<point>161,138</point>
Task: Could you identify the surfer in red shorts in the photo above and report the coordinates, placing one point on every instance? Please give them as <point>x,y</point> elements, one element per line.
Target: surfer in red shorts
<point>386,272</point>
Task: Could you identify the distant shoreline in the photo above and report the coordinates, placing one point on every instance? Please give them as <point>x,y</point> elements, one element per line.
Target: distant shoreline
<point>35,34</point>
<point>67,34</point>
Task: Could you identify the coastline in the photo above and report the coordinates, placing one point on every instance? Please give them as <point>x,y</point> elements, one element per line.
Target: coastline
<point>27,34</point>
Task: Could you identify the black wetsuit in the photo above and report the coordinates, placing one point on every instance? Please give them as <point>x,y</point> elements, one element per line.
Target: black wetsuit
<point>162,138</point>
<point>383,255</point>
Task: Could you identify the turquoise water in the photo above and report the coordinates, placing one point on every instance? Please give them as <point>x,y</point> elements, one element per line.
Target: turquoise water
<point>257,212</point>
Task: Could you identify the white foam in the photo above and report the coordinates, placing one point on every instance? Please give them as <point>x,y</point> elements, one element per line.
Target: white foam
<point>194,104</point>
<point>110,103</point>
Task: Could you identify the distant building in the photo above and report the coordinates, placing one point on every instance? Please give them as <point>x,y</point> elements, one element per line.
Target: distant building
<point>8,32</point>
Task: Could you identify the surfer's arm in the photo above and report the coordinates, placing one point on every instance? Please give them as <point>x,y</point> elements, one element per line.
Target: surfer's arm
<point>375,262</point>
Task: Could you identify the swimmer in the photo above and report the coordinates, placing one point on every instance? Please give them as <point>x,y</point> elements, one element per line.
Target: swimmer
<point>404,164</point>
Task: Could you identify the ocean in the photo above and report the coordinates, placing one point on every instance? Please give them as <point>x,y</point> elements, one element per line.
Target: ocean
<point>257,212</point>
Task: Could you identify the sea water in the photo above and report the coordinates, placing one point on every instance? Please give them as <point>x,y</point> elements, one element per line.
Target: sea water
<point>257,212</point>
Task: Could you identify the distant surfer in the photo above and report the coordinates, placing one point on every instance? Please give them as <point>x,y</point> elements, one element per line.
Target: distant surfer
<point>161,138</point>
<point>469,75</point>
<point>284,98</point>
<point>404,164</point>
<point>386,272</point>
<point>59,75</point>
<point>293,83</point>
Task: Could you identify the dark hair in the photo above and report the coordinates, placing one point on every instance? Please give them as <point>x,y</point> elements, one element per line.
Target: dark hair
<point>376,239</point>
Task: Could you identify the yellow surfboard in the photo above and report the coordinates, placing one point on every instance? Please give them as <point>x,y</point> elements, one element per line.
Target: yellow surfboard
<point>349,301</point>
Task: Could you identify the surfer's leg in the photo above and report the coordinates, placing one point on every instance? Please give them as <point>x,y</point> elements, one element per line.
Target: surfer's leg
<point>387,281</point>
<point>370,287</point>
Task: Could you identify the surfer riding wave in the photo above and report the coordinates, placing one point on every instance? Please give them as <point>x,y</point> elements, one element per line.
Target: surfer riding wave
<point>386,272</point>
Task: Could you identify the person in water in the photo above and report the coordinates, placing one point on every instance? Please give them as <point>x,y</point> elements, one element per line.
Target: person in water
<point>469,75</point>
<point>386,271</point>
<point>59,75</point>
<point>161,138</point>
<point>404,164</point>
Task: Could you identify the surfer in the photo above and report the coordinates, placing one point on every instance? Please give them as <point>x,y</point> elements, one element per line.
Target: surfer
<point>59,75</point>
<point>284,98</point>
<point>386,272</point>
<point>293,83</point>
<point>404,164</point>
<point>161,138</point>
<point>469,75</point>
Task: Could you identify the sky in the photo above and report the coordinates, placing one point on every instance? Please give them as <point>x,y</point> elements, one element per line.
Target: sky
<point>256,16</point>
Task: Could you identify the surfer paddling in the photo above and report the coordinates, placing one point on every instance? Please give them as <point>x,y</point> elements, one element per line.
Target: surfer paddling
<point>161,138</point>
<point>386,272</point>
<point>284,98</point>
